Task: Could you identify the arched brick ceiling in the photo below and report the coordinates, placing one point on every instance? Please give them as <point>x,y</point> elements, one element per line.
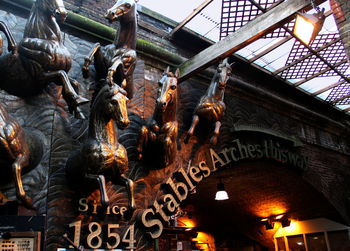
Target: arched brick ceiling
<point>256,189</point>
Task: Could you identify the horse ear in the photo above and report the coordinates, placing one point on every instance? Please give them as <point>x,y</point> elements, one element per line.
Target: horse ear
<point>177,73</point>
<point>167,70</point>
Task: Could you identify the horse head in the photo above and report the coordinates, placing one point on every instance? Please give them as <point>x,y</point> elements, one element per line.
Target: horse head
<point>167,92</point>
<point>224,71</point>
<point>54,8</point>
<point>115,104</point>
<point>119,9</point>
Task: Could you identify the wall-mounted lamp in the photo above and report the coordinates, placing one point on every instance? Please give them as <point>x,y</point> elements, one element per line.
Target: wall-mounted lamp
<point>307,26</point>
<point>221,194</point>
<point>269,222</point>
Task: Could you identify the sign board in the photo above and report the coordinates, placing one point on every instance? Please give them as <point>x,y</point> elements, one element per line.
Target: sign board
<point>21,241</point>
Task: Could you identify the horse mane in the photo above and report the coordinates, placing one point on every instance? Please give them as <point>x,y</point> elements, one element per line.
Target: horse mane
<point>34,26</point>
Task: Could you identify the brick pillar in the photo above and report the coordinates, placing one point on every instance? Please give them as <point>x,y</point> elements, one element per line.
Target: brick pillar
<point>341,12</point>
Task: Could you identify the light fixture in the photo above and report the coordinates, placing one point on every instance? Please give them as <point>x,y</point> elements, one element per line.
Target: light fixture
<point>221,194</point>
<point>269,222</point>
<point>307,26</point>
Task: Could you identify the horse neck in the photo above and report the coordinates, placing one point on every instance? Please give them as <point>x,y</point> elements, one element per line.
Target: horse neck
<point>214,91</point>
<point>126,33</point>
<point>40,25</point>
<point>102,129</point>
<point>168,115</point>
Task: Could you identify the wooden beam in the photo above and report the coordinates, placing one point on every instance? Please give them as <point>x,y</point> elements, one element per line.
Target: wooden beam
<point>189,17</point>
<point>247,34</point>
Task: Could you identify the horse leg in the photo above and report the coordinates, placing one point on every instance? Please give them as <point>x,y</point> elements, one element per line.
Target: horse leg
<point>21,161</point>
<point>168,150</point>
<point>214,138</point>
<point>69,94</point>
<point>190,131</point>
<point>112,70</point>
<point>88,59</point>
<point>130,187</point>
<point>12,45</point>
<point>100,179</point>
<point>142,140</point>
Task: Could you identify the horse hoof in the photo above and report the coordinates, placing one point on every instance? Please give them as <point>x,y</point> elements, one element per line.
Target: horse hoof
<point>213,141</point>
<point>79,115</point>
<point>81,100</point>
<point>85,72</point>
<point>27,202</point>
<point>186,139</point>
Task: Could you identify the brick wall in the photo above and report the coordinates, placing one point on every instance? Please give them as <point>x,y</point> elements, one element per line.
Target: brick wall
<point>341,12</point>
<point>94,9</point>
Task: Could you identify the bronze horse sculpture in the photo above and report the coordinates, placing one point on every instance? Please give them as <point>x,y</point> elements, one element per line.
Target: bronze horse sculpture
<point>116,62</point>
<point>40,57</point>
<point>162,129</point>
<point>14,153</point>
<point>101,155</point>
<point>211,107</point>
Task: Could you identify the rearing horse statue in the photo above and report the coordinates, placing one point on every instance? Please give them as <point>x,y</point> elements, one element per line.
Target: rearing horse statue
<point>107,58</point>
<point>40,57</point>
<point>14,152</point>
<point>161,131</point>
<point>211,106</point>
<point>102,156</point>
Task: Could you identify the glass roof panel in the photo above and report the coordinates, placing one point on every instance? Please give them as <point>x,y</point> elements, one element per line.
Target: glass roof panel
<point>176,10</point>
<point>290,60</point>
<point>207,22</point>
<point>317,84</point>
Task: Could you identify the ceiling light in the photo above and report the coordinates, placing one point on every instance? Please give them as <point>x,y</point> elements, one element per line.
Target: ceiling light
<point>221,194</point>
<point>307,26</point>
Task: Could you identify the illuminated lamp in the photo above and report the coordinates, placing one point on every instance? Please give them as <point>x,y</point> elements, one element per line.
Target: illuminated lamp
<point>268,223</point>
<point>307,26</point>
<point>221,194</point>
<point>285,222</point>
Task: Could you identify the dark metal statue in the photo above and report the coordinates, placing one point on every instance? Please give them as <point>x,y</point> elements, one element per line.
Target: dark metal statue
<point>40,57</point>
<point>161,131</point>
<point>107,58</point>
<point>211,106</point>
<point>102,156</point>
<point>14,152</point>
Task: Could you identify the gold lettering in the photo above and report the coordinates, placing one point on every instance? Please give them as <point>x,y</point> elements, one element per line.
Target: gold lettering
<point>83,203</point>
<point>115,210</point>
<point>184,174</point>
<point>204,168</point>
<point>177,189</point>
<point>152,223</point>
<point>215,158</point>
<point>171,203</point>
<point>193,173</point>
<point>159,210</point>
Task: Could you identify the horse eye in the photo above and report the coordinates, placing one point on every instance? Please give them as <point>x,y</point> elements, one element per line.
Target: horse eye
<point>173,87</point>
<point>127,5</point>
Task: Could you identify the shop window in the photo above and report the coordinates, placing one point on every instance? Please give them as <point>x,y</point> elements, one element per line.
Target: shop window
<point>339,240</point>
<point>316,242</point>
<point>296,243</point>
<point>281,246</point>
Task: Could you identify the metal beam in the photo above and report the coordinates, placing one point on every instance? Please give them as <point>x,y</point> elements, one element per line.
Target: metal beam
<point>247,34</point>
<point>327,88</point>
